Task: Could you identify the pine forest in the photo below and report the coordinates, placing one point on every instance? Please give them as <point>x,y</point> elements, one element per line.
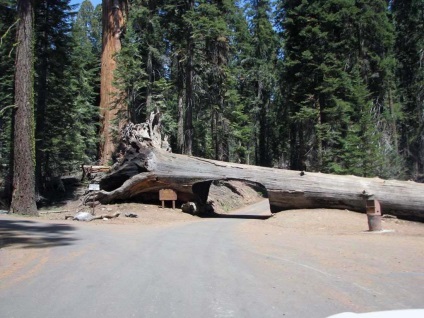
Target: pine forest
<point>331,86</point>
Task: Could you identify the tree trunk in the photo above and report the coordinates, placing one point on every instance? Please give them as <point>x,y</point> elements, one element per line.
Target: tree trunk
<point>149,70</point>
<point>23,197</point>
<point>149,64</point>
<point>41,87</point>
<point>180,98</point>
<point>188,118</point>
<point>145,170</point>
<point>180,131</point>
<point>112,108</point>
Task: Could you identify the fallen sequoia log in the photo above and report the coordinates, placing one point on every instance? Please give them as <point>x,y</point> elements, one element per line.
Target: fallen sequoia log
<point>146,168</point>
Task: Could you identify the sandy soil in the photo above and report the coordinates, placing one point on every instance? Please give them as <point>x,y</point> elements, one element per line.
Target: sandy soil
<point>224,196</point>
<point>332,223</point>
<point>148,214</point>
<point>339,222</point>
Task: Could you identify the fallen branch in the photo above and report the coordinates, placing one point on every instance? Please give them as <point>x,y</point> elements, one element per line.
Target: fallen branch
<point>47,212</point>
<point>105,216</point>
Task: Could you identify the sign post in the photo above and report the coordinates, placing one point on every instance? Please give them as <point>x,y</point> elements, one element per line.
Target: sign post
<point>374,215</point>
<point>93,187</point>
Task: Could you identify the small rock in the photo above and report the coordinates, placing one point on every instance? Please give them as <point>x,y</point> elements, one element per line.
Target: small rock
<point>131,215</point>
<point>189,207</point>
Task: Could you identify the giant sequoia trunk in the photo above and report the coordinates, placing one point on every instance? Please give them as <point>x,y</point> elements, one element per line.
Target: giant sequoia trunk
<point>146,168</point>
<point>111,106</point>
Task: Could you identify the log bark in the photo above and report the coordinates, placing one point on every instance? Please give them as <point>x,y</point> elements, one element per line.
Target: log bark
<point>89,170</point>
<point>23,197</point>
<point>147,170</point>
<point>148,166</point>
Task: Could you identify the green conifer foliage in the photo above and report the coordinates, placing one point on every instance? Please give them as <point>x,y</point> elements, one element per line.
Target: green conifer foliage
<point>338,68</point>
<point>142,61</point>
<point>66,89</point>
<point>242,141</point>
<point>409,23</point>
<point>83,74</point>
<point>52,47</point>
<point>7,52</point>
<point>263,78</point>
<point>212,34</point>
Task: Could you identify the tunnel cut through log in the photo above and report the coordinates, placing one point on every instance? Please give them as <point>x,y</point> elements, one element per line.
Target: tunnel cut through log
<point>222,196</point>
<point>201,190</point>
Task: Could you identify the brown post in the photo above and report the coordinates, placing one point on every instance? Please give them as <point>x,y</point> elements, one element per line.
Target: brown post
<point>92,213</point>
<point>374,215</point>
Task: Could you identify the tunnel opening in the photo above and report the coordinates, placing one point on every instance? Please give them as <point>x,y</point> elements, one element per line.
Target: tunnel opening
<point>233,198</point>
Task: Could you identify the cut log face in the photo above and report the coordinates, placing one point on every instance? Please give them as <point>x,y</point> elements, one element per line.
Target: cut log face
<point>135,162</point>
<point>149,169</point>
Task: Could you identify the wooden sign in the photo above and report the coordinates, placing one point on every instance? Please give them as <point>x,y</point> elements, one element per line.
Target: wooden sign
<point>94,187</point>
<point>167,195</point>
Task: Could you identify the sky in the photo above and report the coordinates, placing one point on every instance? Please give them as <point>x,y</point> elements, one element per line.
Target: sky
<point>94,2</point>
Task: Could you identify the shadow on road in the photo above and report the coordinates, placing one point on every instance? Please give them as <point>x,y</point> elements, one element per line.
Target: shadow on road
<point>32,234</point>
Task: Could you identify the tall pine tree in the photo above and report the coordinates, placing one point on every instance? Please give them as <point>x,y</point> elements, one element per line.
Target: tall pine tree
<point>52,97</point>
<point>23,196</point>
<point>338,72</point>
<point>263,78</point>
<point>409,23</point>
<point>8,24</point>
<point>84,74</point>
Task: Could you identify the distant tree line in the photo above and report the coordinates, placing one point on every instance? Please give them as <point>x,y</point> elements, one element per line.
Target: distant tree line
<point>335,86</point>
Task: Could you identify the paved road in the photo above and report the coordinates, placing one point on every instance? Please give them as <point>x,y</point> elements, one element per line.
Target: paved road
<point>196,269</point>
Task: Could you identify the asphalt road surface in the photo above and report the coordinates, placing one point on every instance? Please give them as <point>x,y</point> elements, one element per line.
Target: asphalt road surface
<point>206,268</point>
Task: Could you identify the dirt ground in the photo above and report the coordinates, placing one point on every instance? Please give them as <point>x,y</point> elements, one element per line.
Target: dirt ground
<point>230,195</point>
<point>148,214</point>
<point>335,245</point>
<point>339,222</point>
<point>316,221</point>
<point>224,197</point>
